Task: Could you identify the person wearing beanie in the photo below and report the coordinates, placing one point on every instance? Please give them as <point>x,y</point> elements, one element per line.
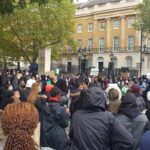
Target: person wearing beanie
<point>136,90</point>
<point>134,121</point>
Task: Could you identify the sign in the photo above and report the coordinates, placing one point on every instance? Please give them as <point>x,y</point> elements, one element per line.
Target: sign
<point>94,72</point>
<point>50,74</point>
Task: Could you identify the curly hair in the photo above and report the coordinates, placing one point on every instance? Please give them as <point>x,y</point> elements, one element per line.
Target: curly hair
<point>19,121</point>
<point>33,95</point>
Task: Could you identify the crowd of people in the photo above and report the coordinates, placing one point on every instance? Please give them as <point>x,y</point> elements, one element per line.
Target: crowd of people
<point>99,113</point>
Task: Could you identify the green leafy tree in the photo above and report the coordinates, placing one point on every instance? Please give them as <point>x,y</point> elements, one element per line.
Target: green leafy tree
<point>36,27</point>
<point>144,13</point>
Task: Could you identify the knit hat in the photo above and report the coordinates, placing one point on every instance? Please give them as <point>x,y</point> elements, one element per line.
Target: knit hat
<point>129,99</point>
<point>30,82</point>
<point>135,88</point>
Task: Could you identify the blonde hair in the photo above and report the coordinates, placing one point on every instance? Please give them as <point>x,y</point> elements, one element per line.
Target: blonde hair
<point>19,121</point>
<point>114,102</point>
<point>33,95</point>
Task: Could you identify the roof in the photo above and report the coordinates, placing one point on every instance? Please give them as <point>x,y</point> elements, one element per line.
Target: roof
<point>91,3</point>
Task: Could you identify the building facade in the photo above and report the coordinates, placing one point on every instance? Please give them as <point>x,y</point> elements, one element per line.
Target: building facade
<point>105,29</point>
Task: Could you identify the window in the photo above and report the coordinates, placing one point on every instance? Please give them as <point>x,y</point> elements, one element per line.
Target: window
<point>102,26</point>
<point>79,28</point>
<point>90,44</point>
<point>102,44</point>
<point>116,24</point>
<point>130,22</point>
<point>130,43</point>
<point>116,43</point>
<point>90,27</point>
<point>79,43</point>
<point>129,62</point>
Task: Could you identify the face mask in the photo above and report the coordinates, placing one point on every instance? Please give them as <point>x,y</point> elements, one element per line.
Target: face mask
<point>10,88</point>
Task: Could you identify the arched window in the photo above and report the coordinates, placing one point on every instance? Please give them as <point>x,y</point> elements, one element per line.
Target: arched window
<point>129,61</point>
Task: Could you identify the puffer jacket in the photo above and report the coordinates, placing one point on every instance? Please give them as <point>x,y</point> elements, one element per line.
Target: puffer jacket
<point>54,120</point>
<point>94,128</point>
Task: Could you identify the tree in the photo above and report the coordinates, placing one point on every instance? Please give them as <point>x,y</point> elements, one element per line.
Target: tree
<point>144,12</point>
<point>37,26</point>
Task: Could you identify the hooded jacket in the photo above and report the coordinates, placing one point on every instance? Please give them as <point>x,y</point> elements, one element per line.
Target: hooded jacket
<point>134,121</point>
<point>54,120</point>
<point>94,128</point>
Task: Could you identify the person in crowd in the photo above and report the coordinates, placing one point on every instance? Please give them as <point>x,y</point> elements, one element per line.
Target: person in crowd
<point>147,102</point>
<point>94,128</point>
<point>75,86</point>
<point>136,90</point>
<point>62,85</point>
<point>134,121</point>
<point>32,98</point>
<point>144,142</point>
<point>24,92</point>
<point>54,120</point>
<point>18,122</point>
<point>34,93</point>
<point>6,94</point>
<point>14,82</point>
<point>43,82</point>
<point>114,101</point>
<point>106,81</point>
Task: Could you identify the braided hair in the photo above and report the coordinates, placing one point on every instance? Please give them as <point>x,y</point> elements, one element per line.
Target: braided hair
<point>19,121</point>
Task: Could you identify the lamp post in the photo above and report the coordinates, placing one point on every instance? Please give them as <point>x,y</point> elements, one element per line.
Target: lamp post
<point>111,65</point>
<point>141,45</point>
<point>79,56</point>
<point>82,53</point>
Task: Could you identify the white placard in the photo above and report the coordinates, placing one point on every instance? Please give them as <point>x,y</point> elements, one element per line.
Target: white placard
<point>94,72</point>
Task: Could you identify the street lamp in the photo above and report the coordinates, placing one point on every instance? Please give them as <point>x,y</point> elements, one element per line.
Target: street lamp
<point>82,53</point>
<point>111,65</point>
<point>79,56</point>
<point>141,45</point>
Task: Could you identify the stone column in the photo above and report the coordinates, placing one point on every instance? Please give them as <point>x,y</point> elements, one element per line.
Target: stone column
<point>123,32</point>
<point>44,60</point>
<point>108,33</point>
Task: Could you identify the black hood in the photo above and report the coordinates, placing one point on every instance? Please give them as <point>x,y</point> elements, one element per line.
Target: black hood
<point>94,98</point>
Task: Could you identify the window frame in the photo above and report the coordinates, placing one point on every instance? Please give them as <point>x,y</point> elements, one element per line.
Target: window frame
<point>131,45</point>
<point>79,31</point>
<point>101,47</point>
<point>114,26</point>
<point>114,47</point>
<point>89,27</point>
<point>100,25</point>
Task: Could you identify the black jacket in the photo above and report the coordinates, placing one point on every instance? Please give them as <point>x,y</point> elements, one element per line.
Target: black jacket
<point>93,128</point>
<point>54,120</point>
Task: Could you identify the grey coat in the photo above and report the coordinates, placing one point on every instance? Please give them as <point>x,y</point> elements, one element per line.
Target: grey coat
<point>136,126</point>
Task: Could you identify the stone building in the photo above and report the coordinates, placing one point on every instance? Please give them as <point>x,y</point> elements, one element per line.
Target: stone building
<point>105,29</point>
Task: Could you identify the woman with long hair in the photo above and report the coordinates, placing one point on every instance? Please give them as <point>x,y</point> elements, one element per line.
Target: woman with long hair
<point>19,121</point>
<point>34,92</point>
